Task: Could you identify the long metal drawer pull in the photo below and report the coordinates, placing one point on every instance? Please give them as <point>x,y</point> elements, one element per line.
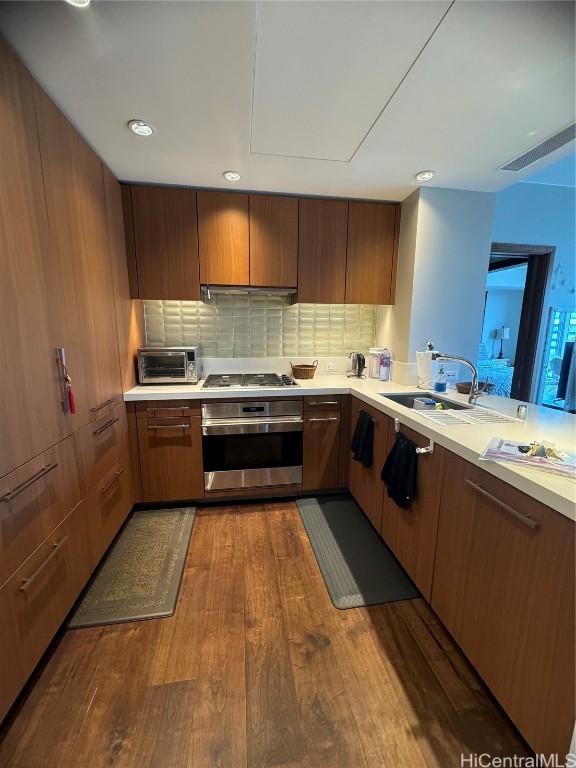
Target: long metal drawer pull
<point>173,408</point>
<point>332,418</point>
<point>26,583</point>
<point>168,426</point>
<point>106,488</point>
<point>324,402</point>
<point>526,519</point>
<point>103,405</point>
<point>17,491</point>
<point>104,427</point>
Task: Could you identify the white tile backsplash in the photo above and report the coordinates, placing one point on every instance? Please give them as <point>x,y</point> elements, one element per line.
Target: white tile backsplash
<point>260,326</point>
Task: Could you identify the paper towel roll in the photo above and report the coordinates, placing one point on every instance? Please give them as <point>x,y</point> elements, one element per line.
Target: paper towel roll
<point>426,370</point>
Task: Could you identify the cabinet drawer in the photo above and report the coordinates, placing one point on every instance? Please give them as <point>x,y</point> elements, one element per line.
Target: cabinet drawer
<point>321,449</point>
<point>107,506</point>
<point>37,598</point>
<point>99,445</point>
<point>321,402</point>
<point>34,499</point>
<point>161,408</point>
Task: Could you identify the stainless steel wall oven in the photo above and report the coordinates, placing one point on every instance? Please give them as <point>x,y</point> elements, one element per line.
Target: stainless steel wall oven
<point>252,444</point>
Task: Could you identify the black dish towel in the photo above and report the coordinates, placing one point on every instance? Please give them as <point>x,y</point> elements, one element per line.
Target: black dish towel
<point>363,439</point>
<point>400,471</point>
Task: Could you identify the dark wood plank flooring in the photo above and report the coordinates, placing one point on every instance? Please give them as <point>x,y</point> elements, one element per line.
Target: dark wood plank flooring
<point>257,668</point>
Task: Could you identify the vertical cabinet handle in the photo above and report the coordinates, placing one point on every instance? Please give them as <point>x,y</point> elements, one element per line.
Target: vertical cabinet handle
<point>27,583</point>
<point>8,497</point>
<point>526,519</point>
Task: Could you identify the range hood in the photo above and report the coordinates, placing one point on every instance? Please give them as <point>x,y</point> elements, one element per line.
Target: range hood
<point>211,291</point>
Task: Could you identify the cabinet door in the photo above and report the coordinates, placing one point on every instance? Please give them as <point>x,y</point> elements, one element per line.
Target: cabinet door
<point>78,272</point>
<point>99,445</point>
<point>170,457</point>
<point>505,591</point>
<point>273,241</point>
<point>371,253</point>
<point>223,238</point>
<point>107,506</point>
<point>129,314</point>
<point>34,499</point>
<point>322,228</point>
<point>364,482</point>
<point>31,414</point>
<point>37,598</point>
<point>166,243</point>
<point>321,449</point>
<point>411,533</point>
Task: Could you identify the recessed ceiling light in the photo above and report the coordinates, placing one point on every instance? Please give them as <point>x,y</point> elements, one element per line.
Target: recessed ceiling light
<point>425,175</point>
<point>141,128</point>
<point>78,3</point>
<point>232,175</point>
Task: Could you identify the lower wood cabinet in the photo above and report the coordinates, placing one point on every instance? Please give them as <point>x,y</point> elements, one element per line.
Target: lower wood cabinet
<point>411,533</point>
<point>321,442</point>
<point>37,598</point>
<point>34,499</point>
<point>170,447</point>
<point>107,507</point>
<point>504,588</point>
<point>100,444</point>
<point>364,482</point>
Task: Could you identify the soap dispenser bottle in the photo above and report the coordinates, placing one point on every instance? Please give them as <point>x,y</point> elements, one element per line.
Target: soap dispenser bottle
<point>440,381</point>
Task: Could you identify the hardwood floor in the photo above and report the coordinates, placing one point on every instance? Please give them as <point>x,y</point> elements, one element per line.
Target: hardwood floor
<point>257,668</point>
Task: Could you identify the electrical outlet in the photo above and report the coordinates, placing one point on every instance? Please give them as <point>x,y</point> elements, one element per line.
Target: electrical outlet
<point>331,367</point>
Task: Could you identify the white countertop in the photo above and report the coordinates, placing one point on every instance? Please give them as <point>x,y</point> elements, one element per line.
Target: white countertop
<point>467,441</point>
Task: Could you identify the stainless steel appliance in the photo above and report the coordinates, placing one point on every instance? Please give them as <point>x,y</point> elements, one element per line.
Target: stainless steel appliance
<point>169,365</point>
<point>239,380</point>
<point>358,364</point>
<point>252,444</point>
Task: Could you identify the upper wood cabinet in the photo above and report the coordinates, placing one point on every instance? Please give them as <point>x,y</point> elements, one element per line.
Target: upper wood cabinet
<point>322,233</point>
<point>223,238</point>
<point>273,241</point>
<point>371,253</point>
<point>29,374</point>
<point>165,242</point>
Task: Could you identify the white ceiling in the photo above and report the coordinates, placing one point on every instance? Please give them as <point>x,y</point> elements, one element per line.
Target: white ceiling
<point>317,97</point>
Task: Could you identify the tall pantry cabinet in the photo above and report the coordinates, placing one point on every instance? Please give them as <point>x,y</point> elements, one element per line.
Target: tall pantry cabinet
<point>65,484</point>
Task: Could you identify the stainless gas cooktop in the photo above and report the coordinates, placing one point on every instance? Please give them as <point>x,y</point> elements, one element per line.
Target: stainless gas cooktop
<point>242,380</point>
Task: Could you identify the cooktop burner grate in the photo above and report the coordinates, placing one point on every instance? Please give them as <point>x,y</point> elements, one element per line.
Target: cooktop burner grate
<point>229,380</point>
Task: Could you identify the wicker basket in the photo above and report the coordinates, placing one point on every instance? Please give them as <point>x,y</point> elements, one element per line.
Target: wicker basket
<point>484,386</point>
<point>304,371</point>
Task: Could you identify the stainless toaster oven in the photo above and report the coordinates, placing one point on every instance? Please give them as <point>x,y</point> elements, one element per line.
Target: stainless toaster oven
<point>169,365</point>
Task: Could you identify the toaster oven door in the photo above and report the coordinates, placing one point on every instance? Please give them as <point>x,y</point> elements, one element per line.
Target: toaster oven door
<point>162,367</point>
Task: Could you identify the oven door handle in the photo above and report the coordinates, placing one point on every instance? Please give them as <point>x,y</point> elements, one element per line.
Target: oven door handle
<point>252,427</point>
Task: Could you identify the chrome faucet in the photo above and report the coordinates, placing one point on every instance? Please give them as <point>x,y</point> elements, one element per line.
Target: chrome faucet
<point>474,391</point>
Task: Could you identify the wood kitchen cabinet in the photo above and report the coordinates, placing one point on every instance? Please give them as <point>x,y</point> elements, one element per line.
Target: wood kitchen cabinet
<point>322,236</point>
<point>321,442</point>
<point>273,241</point>
<point>29,373</point>
<point>371,253</point>
<point>411,533</point>
<point>364,483</point>
<point>223,238</point>
<point>504,588</point>
<point>78,269</point>
<point>165,242</point>
<point>170,447</point>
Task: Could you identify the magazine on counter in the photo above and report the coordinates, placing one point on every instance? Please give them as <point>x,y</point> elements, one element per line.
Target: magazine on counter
<point>536,455</point>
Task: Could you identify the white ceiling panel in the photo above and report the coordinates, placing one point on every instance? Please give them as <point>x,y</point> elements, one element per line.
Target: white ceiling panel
<point>324,72</point>
<point>387,88</point>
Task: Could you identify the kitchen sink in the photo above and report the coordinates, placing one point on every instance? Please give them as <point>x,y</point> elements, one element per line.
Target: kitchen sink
<point>407,400</point>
